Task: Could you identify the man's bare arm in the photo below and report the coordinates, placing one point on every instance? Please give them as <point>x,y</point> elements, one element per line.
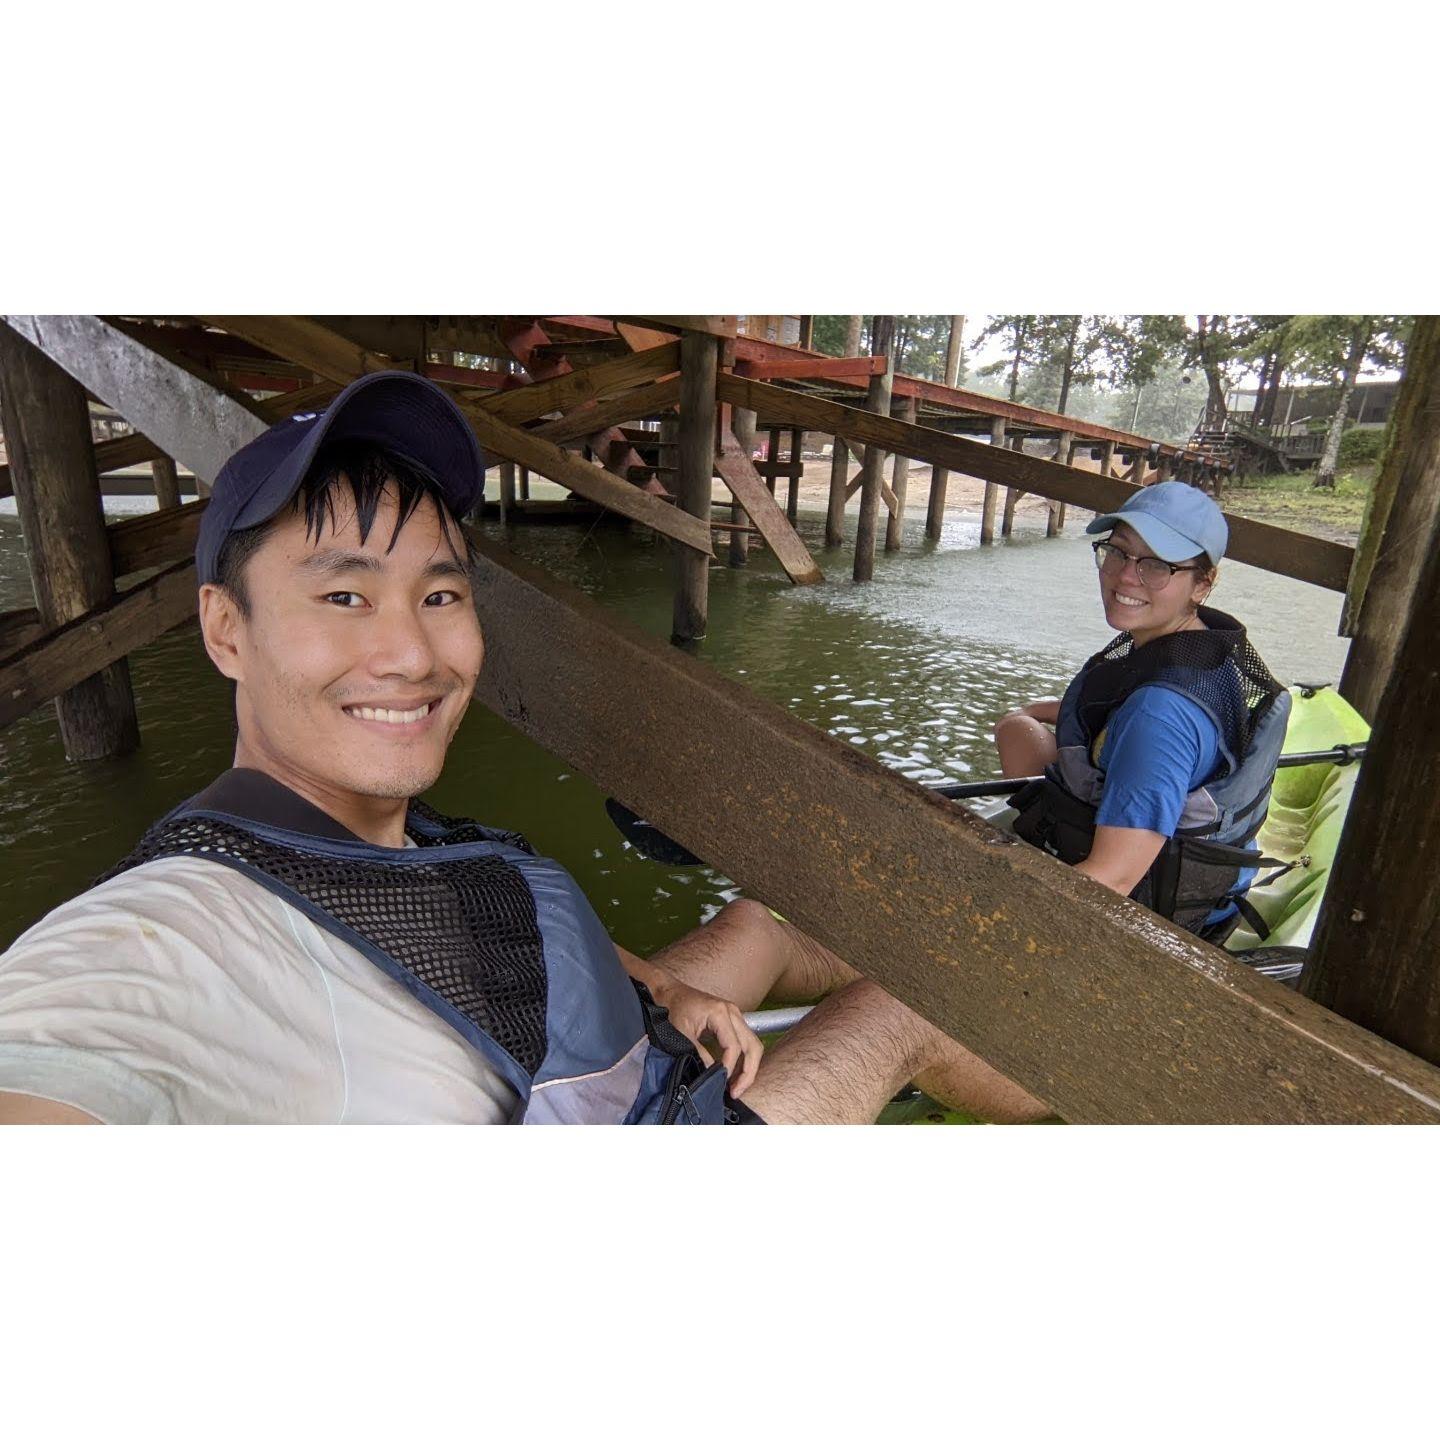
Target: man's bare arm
<point>16,1109</point>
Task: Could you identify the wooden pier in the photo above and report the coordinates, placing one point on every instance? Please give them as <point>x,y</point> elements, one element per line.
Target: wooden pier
<point>1093,1004</point>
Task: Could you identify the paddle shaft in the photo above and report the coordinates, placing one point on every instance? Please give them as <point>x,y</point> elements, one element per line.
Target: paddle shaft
<point>986,789</point>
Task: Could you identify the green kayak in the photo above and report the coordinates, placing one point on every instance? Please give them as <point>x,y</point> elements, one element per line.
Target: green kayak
<point>1307,812</point>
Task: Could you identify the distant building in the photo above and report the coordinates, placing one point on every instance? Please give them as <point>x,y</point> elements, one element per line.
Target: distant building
<point>1370,403</point>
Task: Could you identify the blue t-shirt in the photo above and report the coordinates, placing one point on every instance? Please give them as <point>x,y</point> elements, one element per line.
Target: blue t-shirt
<point>1156,748</point>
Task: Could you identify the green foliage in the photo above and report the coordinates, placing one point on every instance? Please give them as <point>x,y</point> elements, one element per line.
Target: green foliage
<point>1359,447</point>
<point>830,333</point>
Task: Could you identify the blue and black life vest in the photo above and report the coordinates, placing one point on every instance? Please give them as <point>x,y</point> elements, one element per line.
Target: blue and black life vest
<point>1200,866</point>
<point>497,941</point>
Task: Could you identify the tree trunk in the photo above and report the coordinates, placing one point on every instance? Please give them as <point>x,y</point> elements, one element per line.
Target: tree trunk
<point>1068,369</point>
<point>1215,407</point>
<point>852,334</point>
<point>1015,364</point>
<point>952,349</point>
<point>1257,416</point>
<point>1359,343</point>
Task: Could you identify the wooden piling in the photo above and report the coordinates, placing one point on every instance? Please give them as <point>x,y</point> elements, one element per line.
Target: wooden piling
<point>899,483</point>
<point>1107,458</point>
<point>1012,495</point>
<point>524,483</point>
<point>742,424</point>
<point>839,479</point>
<point>1064,455</point>
<point>167,482</point>
<point>1402,506</point>
<point>939,476</point>
<point>877,400</point>
<point>57,492</point>
<point>507,491</point>
<point>1373,959</point>
<point>797,470</point>
<point>772,458</point>
<point>699,361</point>
<point>992,490</point>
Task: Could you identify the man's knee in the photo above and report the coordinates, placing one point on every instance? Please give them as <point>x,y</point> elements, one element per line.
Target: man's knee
<point>748,915</point>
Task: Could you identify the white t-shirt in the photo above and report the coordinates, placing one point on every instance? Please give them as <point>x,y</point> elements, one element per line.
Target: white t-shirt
<point>184,991</point>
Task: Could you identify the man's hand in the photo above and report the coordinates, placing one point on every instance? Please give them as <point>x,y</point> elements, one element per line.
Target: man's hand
<point>695,1014</point>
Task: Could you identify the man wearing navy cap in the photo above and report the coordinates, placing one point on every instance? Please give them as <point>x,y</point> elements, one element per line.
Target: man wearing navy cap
<point>305,941</point>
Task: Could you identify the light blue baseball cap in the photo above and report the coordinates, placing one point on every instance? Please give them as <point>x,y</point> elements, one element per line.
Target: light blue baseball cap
<point>1174,519</point>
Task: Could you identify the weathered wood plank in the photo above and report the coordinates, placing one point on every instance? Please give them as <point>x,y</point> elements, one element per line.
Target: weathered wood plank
<point>145,541</point>
<point>1402,509</point>
<point>593,382</point>
<point>154,394</point>
<point>1090,1002</point>
<point>738,471</point>
<point>548,459</point>
<point>55,662</point>
<point>20,627</point>
<point>820,367</point>
<point>294,337</point>
<point>722,326</point>
<point>644,400</point>
<point>1376,952</point>
<point>1284,552</point>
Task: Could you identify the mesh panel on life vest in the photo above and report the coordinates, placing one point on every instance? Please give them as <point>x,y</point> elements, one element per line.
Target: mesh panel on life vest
<point>466,928</point>
<point>1218,665</point>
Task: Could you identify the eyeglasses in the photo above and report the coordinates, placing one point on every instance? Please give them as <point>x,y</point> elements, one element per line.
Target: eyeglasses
<point>1155,573</point>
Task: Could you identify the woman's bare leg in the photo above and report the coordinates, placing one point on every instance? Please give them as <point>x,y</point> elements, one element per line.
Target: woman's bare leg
<point>1026,746</point>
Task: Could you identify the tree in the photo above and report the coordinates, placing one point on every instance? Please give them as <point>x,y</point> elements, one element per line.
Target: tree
<point>1215,348</point>
<point>1333,349</point>
<point>1021,331</point>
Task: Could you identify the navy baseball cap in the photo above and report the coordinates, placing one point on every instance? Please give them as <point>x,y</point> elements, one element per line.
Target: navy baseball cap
<point>406,413</point>
<point>1174,519</point>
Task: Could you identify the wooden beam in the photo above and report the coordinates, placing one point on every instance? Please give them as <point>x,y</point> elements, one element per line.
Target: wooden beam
<point>1089,1001</point>
<point>153,393</point>
<point>1284,552</point>
<point>738,471</point>
<point>304,341</point>
<point>338,360</point>
<point>1374,957</point>
<point>19,627</point>
<point>819,367</point>
<point>1403,506</point>
<point>63,658</point>
<point>575,387</point>
<point>167,482</point>
<point>145,541</point>
<point>546,458</point>
<point>722,326</point>
<point>643,401</point>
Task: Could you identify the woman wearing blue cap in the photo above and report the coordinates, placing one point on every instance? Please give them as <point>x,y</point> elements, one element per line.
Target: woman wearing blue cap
<point>1157,776</point>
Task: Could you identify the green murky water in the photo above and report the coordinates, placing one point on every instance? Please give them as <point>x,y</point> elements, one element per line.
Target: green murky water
<point>915,668</point>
